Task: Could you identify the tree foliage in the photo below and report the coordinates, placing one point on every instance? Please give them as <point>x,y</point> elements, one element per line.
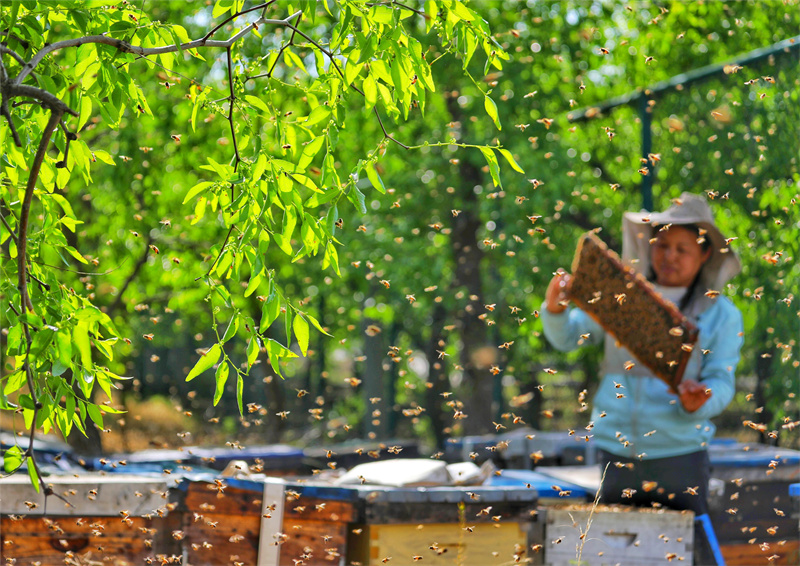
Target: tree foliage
<point>217,197</point>
<point>293,72</point>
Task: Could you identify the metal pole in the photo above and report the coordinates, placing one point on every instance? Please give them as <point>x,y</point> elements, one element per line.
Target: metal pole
<point>647,148</point>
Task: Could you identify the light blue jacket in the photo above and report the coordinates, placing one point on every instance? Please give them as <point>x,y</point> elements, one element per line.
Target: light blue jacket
<point>636,415</point>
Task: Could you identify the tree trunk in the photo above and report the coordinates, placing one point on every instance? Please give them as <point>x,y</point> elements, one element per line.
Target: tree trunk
<point>437,377</point>
<point>477,354</point>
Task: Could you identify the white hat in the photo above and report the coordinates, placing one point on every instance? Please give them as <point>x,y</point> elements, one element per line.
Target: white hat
<point>637,229</point>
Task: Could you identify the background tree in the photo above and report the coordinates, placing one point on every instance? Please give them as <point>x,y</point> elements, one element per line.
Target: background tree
<point>433,309</point>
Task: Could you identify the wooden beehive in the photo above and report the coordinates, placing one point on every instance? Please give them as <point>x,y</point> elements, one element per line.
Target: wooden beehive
<point>444,525</point>
<point>617,534</point>
<point>627,306</point>
<point>110,519</point>
<point>753,516</point>
<point>224,526</point>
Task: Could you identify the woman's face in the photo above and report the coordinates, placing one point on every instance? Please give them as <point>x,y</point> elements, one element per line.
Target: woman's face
<point>676,257</point>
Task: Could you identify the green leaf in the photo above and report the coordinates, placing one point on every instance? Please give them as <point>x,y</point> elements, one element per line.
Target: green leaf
<point>233,328</point>
<point>12,459</point>
<point>462,11</point>
<point>206,361</point>
<point>80,337</point>
<point>431,11</point>
<point>196,190</point>
<point>283,242</point>
<point>259,167</point>
<point>491,110</point>
<point>331,258</point>
<point>494,168</point>
<point>221,378</point>
<point>370,91</point>
<point>95,414</point>
<point>357,198</point>
<point>239,392</point>
<point>33,474</point>
<point>513,162</point>
<point>86,111</point>
<point>270,311</point>
<point>74,253</point>
<point>300,327</point>
<point>375,179</point>
<point>103,156</point>
<point>309,152</point>
<point>258,103</point>
<point>252,285</point>
<point>316,324</point>
<point>351,71</point>
<point>382,14</point>
<point>222,7</point>
<point>252,351</point>
<point>319,114</point>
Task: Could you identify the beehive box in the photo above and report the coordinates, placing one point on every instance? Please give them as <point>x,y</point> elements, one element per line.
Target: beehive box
<point>272,459</point>
<point>443,525</point>
<point>231,520</point>
<point>548,489</point>
<point>752,516</point>
<point>110,519</point>
<point>618,534</point>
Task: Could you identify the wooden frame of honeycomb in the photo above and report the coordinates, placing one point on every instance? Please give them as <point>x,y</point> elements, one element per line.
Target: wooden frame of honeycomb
<point>627,306</point>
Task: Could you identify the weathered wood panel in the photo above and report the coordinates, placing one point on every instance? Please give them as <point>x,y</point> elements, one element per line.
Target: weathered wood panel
<point>617,535</point>
<point>213,539</point>
<point>313,542</point>
<point>223,526</point>
<point>775,554</point>
<point>49,541</point>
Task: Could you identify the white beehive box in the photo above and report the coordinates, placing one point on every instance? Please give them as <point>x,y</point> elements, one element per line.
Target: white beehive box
<point>622,535</point>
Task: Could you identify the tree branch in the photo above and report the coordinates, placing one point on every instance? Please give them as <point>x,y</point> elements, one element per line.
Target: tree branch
<point>10,231</point>
<point>11,90</point>
<point>216,28</point>
<point>22,282</point>
<point>290,42</point>
<point>126,47</point>
<point>341,74</point>
<point>14,54</point>
<point>33,176</point>
<point>221,250</point>
<point>232,99</point>
<point>386,134</point>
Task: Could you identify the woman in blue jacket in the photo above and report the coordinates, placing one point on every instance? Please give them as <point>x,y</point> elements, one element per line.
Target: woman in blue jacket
<point>654,440</point>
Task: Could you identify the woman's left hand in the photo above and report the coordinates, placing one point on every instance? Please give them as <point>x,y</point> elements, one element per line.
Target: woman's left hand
<point>692,395</point>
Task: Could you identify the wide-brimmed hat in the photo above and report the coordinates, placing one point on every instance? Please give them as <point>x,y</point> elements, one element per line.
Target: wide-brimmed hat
<point>637,230</point>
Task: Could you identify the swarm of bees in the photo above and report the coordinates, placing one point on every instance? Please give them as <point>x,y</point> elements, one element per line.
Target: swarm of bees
<point>450,361</point>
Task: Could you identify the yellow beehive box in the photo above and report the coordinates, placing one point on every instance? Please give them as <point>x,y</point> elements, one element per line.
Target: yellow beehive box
<point>437,544</point>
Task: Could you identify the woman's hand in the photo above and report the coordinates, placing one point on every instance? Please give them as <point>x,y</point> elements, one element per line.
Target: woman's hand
<point>556,297</point>
<point>693,395</point>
